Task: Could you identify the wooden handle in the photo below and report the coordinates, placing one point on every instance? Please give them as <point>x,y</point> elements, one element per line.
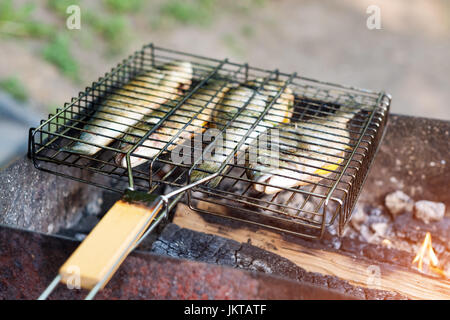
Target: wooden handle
<point>108,244</point>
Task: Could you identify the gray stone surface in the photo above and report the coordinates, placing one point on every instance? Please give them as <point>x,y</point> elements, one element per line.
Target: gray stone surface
<point>38,201</point>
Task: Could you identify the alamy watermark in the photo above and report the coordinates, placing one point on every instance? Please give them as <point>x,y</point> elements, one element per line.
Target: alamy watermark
<point>374,19</point>
<point>373,279</point>
<point>256,148</point>
<point>74,279</point>
<point>73,21</point>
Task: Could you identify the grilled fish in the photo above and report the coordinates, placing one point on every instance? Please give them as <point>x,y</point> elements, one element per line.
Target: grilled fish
<point>250,104</point>
<point>309,151</point>
<point>205,98</point>
<point>126,106</point>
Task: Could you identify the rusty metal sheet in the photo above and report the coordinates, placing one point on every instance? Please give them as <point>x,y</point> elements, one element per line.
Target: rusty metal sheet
<point>29,261</point>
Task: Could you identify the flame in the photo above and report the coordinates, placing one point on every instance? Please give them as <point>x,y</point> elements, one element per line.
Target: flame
<point>426,254</point>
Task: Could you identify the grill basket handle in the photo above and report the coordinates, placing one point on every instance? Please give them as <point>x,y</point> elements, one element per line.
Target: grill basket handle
<point>100,254</point>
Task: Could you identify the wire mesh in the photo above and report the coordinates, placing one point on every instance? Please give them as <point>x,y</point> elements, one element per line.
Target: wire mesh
<point>327,139</point>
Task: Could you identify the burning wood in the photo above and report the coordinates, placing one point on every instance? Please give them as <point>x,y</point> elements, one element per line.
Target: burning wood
<point>427,255</point>
<point>359,269</point>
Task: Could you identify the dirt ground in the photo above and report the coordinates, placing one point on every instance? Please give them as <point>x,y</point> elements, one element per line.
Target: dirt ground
<point>327,40</point>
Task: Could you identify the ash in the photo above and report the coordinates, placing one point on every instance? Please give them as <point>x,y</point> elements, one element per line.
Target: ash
<point>398,226</point>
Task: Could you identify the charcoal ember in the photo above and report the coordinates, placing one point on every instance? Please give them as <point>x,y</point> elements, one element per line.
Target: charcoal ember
<point>183,243</point>
<point>398,202</point>
<point>266,262</point>
<point>371,223</point>
<point>429,211</point>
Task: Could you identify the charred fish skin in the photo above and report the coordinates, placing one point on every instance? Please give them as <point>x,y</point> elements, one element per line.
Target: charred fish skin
<point>253,103</point>
<point>199,106</point>
<point>127,105</point>
<point>311,151</point>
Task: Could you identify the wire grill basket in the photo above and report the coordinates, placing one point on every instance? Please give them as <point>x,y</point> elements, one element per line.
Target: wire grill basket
<point>306,209</point>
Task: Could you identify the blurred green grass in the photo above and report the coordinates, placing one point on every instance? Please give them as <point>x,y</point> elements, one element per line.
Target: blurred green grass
<point>189,12</point>
<point>17,21</point>
<point>232,43</point>
<point>122,6</point>
<point>108,22</point>
<point>60,6</point>
<point>14,87</point>
<point>112,28</point>
<point>58,52</point>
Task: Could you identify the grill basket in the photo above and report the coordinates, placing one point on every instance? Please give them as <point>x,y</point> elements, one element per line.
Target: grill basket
<point>306,210</point>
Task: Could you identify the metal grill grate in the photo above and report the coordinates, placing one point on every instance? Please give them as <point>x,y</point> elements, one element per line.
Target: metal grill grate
<point>324,112</point>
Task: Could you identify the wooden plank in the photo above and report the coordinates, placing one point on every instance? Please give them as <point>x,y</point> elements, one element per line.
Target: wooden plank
<point>106,243</point>
<point>357,271</point>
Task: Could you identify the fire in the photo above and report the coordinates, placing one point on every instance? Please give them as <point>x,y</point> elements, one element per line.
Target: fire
<point>426,254</point>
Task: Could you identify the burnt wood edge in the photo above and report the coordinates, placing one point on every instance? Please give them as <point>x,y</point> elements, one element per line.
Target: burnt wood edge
<point>188,244</point>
